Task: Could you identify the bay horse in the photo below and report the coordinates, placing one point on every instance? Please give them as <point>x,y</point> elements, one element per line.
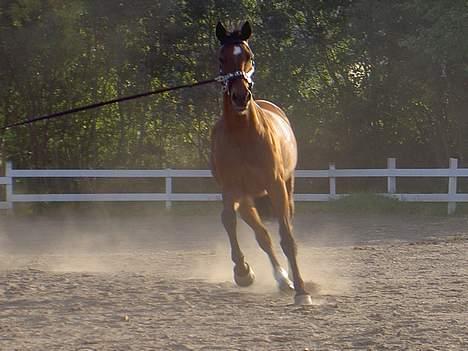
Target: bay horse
<point>253,154</point>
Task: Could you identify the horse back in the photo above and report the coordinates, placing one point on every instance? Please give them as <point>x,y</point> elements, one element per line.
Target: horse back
<point>269,106</point>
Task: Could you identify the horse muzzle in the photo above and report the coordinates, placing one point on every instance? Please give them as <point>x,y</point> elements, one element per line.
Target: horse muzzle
<point>240,102</point>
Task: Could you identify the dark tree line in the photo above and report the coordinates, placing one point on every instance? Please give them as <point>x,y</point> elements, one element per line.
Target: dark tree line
<point>361,80</point>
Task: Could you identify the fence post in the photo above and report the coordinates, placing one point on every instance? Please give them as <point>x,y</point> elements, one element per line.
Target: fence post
<point>168,189</point>
<point>391,180</point>
<point>452,186</point>
<point>9,186</point>
<point>332,180</point>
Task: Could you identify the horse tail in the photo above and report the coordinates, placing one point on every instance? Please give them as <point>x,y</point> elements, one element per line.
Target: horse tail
<point>264,207</point>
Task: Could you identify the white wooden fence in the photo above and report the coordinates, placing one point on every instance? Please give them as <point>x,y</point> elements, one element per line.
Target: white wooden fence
<point>391,173</point>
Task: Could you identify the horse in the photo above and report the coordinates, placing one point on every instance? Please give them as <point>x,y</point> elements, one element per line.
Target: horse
<point>254,154</point>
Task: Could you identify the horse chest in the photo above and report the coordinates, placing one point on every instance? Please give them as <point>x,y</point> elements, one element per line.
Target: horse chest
<point>245,168</point>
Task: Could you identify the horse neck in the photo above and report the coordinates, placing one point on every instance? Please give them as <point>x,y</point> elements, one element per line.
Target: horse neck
<point>250,123</point>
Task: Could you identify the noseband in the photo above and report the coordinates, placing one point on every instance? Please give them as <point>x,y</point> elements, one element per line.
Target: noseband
<point>226,79</point>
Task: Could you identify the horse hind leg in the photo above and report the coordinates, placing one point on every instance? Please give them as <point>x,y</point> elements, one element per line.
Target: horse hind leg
<point>281,202</point>
<point>290,193</point>
<point>250,215</point>
<point>290,196</point>
<point>243,273</point>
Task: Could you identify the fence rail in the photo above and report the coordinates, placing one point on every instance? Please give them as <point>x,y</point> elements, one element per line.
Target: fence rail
<point>391,173</point>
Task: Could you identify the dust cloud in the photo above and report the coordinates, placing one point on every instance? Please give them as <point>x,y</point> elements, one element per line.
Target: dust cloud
<point>189,247</point>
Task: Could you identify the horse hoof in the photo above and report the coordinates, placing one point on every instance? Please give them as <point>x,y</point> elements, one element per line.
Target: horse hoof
<point>284,283</point>
<point>303,300</point>
<point>245,279</point>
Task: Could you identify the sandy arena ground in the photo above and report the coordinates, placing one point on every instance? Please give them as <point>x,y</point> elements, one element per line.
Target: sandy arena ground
<point>165,283</point>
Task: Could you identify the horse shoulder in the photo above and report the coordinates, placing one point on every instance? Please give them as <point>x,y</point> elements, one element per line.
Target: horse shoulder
<point>215,135</point>
<point>226,154</point>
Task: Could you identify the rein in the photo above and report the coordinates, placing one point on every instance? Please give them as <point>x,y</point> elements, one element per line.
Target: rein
<point>224,79</point>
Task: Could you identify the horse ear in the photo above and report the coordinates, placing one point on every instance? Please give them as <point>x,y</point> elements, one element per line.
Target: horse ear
<point>220,32</point>
<point>246,31</point>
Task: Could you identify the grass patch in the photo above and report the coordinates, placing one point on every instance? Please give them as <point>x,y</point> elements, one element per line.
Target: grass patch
<point>365,202</point>
<point>117,209</point>
<point>358,203</point>
<point>362,203</point>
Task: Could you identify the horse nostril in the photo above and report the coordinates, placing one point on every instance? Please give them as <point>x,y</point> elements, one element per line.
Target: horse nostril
<point>241,99</point>
<point>237,99</point>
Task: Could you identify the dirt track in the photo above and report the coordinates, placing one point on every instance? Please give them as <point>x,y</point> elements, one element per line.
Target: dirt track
<point>164,283</point>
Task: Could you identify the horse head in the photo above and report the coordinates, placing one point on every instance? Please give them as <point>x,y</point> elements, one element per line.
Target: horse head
<point>236,64</point>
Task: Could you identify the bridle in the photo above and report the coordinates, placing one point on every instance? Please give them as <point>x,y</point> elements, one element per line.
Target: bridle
<point>226,78</point>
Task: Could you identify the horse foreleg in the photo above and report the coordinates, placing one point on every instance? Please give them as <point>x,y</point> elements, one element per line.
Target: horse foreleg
<point>281,203</point>
<point>243,274</point>
<point>250,215</point>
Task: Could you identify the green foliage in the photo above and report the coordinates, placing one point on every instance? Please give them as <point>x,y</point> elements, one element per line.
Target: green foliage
<point>361,80</point>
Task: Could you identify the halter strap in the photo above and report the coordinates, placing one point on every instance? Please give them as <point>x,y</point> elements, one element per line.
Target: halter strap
<point>225,79</point>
